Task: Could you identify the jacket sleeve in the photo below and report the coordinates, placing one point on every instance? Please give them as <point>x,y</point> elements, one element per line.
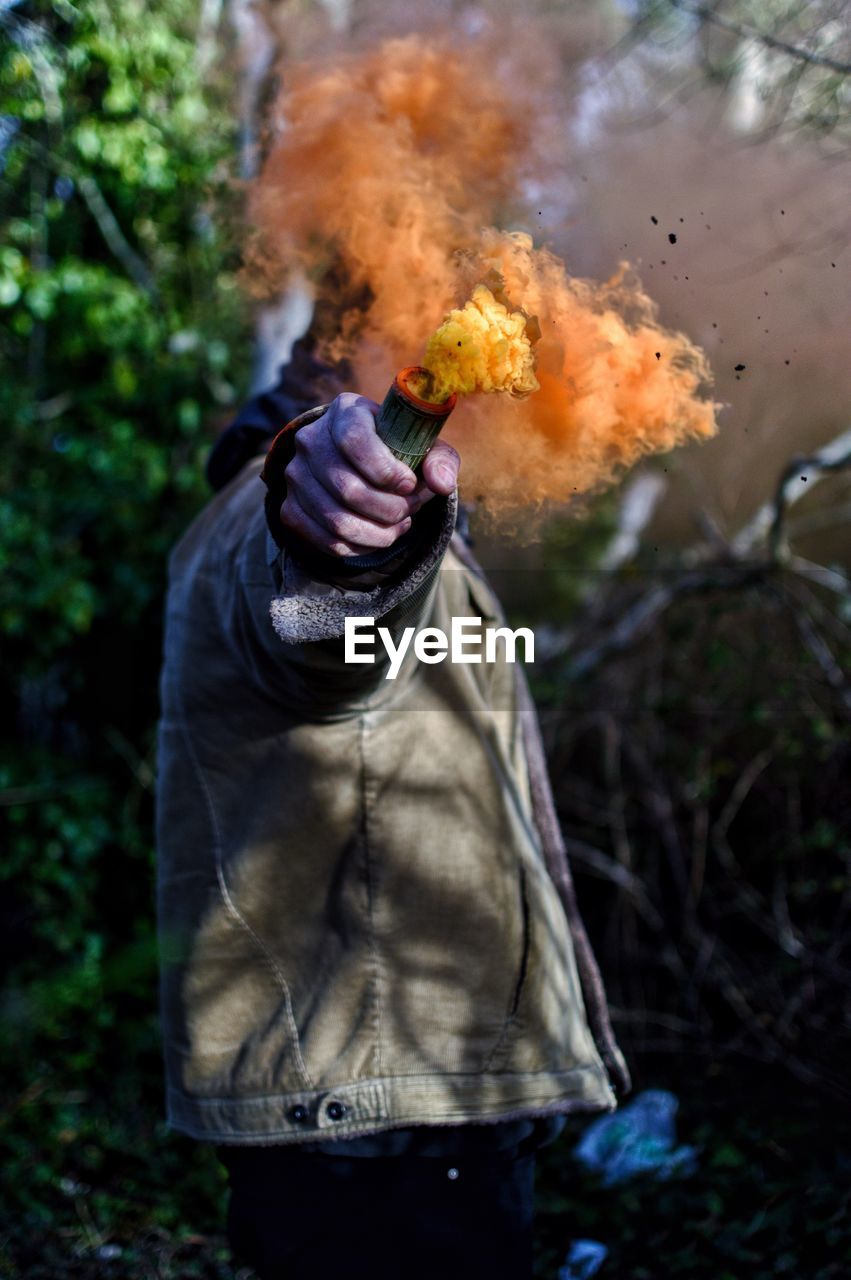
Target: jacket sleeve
<point>302,382</point>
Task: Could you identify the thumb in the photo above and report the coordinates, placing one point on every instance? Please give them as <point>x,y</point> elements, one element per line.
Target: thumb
<point>440,468</point>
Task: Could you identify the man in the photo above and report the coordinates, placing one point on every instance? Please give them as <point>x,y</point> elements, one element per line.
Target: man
<point>377,996</point>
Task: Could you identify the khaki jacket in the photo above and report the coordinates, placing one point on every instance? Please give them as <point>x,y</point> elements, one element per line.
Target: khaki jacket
<point>366,918</point>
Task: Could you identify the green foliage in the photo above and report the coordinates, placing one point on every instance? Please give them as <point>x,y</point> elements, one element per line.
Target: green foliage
<point>123,333</point>
<point>124,344</point>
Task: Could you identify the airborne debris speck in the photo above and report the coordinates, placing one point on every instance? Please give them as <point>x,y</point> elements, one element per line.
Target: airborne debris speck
<point>654,220</point>
<point>658,355</point>
<point>740,368</point>
<point>672,239</point>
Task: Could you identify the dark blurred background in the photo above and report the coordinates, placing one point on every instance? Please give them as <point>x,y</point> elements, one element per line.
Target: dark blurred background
<point>693,624</point>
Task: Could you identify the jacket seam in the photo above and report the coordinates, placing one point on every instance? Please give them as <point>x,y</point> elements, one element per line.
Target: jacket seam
<point>520,981</point>
<point>370,884</point>
<point>279,1137</point>
<point>231,907</point>
<point>436,1078</point>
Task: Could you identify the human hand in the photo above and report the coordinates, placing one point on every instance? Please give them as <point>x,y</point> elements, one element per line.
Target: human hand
<point>347,494</point>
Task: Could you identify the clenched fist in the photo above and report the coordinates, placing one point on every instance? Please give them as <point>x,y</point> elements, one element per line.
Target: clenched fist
<point>347,494</point>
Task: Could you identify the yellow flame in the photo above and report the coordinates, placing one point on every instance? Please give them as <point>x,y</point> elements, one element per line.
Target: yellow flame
<point>483,346</point>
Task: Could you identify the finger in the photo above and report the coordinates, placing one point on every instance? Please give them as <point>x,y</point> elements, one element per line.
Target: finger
<point>347,488</point>
<point>352,428</point>
<point>341,523</point>
<point>440,468</point>
<point>294,517</point>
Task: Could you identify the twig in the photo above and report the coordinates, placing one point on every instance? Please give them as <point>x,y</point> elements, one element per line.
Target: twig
<point>820,574</point>
<point>795,480</point>
<point>706,14</point>
<point>786,934</point>
<point>605,867</point>
<point>643,615</point>
<point>104,218</point>
<point>139,767</point>
<point>735,800</point>
<point>37,792</point>
<point>114,236</point>
<point>823,655</point>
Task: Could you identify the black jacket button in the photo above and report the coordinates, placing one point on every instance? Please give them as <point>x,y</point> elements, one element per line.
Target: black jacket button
<point>336,1110</point>
<point>298,1114</point>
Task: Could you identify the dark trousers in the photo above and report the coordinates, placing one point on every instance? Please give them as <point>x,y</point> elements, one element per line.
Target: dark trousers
<point>306,1216</point>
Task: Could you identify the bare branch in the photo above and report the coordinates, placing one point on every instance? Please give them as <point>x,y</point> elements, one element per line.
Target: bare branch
<point>706,14</point>
<point>608,869</point>
<point>823,655</point>
<point>114,236</point>
<point>796,480</point>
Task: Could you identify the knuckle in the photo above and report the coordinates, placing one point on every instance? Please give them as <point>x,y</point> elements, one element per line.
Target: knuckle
<point>386,537</point>
<point>386,473</point>
<point>290,515</point>
<point>340,524</point>
<point>346,486</point>
<point>392,513</point>
<point>349,429</point>
<point>293,472</point>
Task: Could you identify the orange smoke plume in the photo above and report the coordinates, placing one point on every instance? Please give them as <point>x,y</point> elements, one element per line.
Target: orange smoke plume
<point>383,186</point>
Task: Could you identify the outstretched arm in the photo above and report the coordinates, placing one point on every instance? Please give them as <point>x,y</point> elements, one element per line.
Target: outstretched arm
<point>341,502</point>
<point>346,530</point>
